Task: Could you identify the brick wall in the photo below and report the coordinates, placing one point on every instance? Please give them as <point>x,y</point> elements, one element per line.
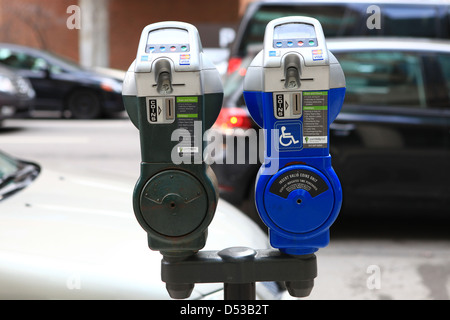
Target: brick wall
<point>129,17</point>
<point>42,23</point>
<point>39,24</point>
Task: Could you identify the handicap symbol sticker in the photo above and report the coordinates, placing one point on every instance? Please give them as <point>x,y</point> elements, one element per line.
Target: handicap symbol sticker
<point>289,136</point>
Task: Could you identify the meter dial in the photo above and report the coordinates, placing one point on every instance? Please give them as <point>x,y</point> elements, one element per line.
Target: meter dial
<point>173,203</point>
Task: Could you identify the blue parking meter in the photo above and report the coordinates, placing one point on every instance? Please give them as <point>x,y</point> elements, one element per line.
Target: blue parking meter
<point>294,89</point>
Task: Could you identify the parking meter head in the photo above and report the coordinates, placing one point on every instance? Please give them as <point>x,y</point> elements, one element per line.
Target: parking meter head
<point>294,89</point>
<point>173,94</point>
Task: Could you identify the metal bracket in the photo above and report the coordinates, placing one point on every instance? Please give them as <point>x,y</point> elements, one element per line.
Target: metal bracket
<point>239,268</point>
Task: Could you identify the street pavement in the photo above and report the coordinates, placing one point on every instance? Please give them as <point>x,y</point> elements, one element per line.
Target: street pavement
<point>382,257</point>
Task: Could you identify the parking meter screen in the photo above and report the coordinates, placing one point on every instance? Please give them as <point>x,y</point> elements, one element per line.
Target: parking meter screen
<point>294,35</point>
<point>157,41</point>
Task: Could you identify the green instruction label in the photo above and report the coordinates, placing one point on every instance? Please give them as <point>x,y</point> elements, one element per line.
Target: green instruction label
<point>187,99</point>
<point>315,119</point>
<point>187,112</point>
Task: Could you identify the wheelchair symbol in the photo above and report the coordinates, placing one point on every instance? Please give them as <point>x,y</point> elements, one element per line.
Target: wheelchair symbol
<point>288,136</point>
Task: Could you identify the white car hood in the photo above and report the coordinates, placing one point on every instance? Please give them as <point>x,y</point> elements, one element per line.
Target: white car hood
<point>69,237</point>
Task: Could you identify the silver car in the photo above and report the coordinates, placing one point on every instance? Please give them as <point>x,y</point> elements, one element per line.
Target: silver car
<point>71,237</point>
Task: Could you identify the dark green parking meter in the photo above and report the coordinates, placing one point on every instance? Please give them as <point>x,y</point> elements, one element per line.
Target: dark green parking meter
<point>173,94</point>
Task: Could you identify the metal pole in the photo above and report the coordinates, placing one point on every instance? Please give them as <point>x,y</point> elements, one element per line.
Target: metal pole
<point>239,291</point>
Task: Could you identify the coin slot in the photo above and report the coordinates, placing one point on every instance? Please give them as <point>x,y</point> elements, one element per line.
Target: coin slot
<point>297,104</point>
<point>170,108</point>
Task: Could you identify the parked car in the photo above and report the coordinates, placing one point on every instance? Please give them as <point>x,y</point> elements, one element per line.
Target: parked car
<point>16,95</point>
<point>400,18</point>
<point>72,237</point>
<point>390,144</point>
<point>62,85</point>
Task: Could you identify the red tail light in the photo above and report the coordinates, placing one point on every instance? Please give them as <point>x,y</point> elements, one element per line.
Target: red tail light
<point>232,118</point>
<point>233,64</point>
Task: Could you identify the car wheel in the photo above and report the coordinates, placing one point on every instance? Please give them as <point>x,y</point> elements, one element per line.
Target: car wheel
<point>84,104</point>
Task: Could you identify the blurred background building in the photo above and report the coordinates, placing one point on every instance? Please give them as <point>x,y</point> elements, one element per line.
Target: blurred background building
<point>109,30</point>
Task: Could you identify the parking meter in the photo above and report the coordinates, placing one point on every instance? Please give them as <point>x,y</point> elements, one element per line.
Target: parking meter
<point>172,94</point>
<point>294,89</point>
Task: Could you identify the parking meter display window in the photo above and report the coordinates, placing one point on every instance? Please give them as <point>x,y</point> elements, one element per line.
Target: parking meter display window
<point>294,35</point>
<point>157,41</point>
<point>293,30</point>
<point>167,48</point>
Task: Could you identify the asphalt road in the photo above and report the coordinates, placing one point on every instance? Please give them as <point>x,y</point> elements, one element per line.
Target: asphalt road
<point>369,257</point>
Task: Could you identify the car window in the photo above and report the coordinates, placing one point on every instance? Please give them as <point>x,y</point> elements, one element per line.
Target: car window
<point>383,79</point>
<point>7,166</point>
<point>54,69</point>
<point>336,20</point>
<point>23,61</point>
<point>20,60</point>
<point>444,61</point>
<point>350,19</point>
<point>417,21</point>
<point>63,64</point>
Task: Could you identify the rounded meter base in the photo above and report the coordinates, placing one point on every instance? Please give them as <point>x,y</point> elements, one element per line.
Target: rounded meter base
<point>173,203</point>
<point>298,200</point>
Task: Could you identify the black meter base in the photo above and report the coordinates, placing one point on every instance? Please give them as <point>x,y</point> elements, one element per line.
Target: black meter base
<point>239,268</point>
<point>175,204</point>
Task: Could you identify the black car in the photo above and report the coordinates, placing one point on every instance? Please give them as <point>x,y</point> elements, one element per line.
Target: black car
<point>390,144</point>
<point>347,18</point>
<point>62,85</point>
<point>16,95</point>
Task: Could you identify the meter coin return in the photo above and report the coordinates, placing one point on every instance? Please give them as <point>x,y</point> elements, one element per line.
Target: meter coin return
<point>294,89</point>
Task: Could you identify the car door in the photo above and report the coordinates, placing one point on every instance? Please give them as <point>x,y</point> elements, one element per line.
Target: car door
<point>390,142</point>
<point>442,61</point>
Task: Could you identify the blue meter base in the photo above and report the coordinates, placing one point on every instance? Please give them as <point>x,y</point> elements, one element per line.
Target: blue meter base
<point>299,203</point>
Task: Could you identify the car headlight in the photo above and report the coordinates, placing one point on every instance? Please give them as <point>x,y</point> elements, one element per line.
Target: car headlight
<point>111,85</point>
<point>7,86</point>
<point>25,87</point>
